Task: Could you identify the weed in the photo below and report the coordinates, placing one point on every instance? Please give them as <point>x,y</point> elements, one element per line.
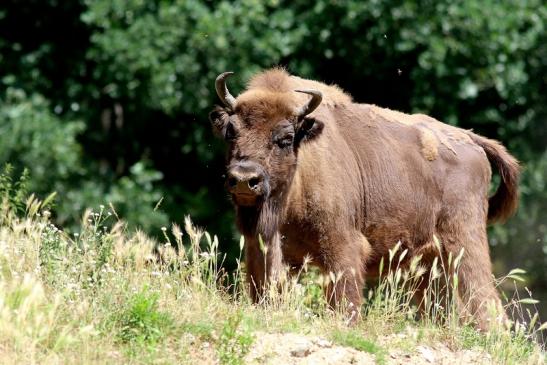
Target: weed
<point>141,321</point>
<point>352,338</point>
<point>234,342</point>
<point>13,194</point>
<point>15,199</point>
<point>202,330</point>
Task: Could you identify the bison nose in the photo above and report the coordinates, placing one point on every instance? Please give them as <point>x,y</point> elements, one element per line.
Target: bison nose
<point>240,182</point>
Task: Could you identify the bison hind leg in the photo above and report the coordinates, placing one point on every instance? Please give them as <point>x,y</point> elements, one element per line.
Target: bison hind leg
<point>464,237</point>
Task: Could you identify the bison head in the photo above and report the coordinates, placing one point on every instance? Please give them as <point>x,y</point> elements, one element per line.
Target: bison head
<point>264,129</point>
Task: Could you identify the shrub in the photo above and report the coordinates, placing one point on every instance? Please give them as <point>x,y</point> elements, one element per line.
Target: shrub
<point>141,321</point>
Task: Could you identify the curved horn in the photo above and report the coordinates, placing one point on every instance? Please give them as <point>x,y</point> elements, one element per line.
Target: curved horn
<point>316,97</point>
<point>222,90</point>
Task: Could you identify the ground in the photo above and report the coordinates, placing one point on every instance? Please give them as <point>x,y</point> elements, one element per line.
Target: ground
<point>290,348</point>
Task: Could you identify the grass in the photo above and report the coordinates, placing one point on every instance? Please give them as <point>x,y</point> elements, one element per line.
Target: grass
<point>109,296</point>
<point>142,321</point>
<point>234,344</point>
<point>356,340</point>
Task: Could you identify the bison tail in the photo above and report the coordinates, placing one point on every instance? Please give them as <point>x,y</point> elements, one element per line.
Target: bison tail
<point>504,202</point>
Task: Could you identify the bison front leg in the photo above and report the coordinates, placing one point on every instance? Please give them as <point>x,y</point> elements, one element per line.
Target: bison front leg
<point>264,265</point>
<point>344,265</point>
<point>344,292</point>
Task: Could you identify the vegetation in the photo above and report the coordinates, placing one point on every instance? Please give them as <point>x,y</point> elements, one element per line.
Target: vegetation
<point>356,340</point>
<point>106,102</point>
<point>106,295</point>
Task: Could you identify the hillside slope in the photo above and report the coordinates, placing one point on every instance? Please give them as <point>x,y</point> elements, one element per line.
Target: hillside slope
<point>104,295</point>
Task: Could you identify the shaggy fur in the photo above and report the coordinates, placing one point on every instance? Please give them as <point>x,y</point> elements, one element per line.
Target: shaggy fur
<point>356,180</point>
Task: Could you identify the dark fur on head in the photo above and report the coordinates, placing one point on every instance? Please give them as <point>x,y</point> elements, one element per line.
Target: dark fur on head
<point>263,118</point>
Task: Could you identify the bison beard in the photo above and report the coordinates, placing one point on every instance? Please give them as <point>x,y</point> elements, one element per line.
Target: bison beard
<point>262,219</point>
<point>263,265</point>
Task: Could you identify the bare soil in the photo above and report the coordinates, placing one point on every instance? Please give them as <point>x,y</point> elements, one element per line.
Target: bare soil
<point>290,348</point>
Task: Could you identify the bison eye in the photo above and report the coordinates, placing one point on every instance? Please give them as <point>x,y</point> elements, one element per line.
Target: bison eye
<point>230,133</point>
<point>284,141</point>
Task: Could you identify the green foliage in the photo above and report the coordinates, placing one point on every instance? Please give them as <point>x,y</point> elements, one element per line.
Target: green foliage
<point>142,322</point>
<point>13,194</point>
<point>203,330</point>
<point>38,140</point>
<point>515,346</point>
<point>51,254</point>
<point>146,47</point>
<point>234,342</point>
<point>45,146</point>
<point>353,339</point>
<point>89,251</point>
<point>134,197</point>
<point>314,295</point>
<point>451,60</point>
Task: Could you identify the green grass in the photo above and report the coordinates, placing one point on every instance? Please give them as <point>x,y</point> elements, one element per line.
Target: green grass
<point>234,343</point>
<point>201,330</point>
<point>108,296</point>
<point>141,321</point>
<point>356,340</point>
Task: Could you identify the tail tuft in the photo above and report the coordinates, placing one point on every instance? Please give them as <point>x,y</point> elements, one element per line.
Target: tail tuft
<point>504,202</point>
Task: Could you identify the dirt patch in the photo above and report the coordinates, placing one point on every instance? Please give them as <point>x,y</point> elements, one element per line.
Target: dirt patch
<point>290,348</point>
<point>438,354</point>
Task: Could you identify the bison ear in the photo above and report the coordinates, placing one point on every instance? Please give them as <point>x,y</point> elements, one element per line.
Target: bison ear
<point>218,118</point>
<point>309,129</point>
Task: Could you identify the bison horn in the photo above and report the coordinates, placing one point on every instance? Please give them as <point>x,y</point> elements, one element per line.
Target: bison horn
<point>316,97</point>
<point>222,90</point>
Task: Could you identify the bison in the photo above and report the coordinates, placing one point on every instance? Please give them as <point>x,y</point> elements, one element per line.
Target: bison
<point>312,173</point>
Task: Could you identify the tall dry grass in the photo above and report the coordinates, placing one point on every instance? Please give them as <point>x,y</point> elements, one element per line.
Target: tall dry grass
<point>106,295</point>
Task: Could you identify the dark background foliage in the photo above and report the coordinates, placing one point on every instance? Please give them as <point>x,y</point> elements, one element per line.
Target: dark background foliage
<point>106,101</point>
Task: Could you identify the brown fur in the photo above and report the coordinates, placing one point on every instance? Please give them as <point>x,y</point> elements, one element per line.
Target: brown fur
<point>504,202</point>
<point>358,179</point>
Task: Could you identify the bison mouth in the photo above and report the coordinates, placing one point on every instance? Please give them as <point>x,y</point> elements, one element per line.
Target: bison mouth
<point>246,199</point>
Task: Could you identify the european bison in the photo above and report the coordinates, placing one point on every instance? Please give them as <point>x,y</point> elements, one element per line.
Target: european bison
<point>313,173</point>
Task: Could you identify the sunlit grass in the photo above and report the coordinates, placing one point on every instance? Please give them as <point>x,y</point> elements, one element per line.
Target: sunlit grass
<point>106,295</point>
